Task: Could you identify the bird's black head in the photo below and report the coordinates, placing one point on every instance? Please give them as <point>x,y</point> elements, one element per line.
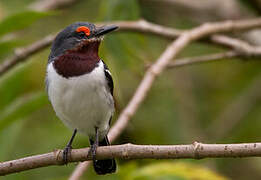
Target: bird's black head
<point>75,49</point>
<point>76,36</point>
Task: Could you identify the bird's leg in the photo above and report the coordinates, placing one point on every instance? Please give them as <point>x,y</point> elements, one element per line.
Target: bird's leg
<point>68,148</point>
<point>95,144</point>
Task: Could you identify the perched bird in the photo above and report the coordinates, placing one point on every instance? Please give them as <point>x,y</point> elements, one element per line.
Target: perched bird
<point>80,87</point>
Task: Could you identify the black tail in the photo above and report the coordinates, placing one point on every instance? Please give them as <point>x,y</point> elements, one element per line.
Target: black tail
<point>105,166</point>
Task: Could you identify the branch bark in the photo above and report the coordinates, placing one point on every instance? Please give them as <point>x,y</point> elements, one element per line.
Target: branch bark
<point>131,151</point>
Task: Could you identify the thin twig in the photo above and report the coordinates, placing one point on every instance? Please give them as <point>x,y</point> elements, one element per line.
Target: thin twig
<point>238,45</point>
<point>22,54</point>
<point>131,151</point>
<point>204,59</point>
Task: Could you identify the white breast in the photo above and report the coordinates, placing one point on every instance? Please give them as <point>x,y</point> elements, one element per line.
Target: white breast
<point>81,102</point>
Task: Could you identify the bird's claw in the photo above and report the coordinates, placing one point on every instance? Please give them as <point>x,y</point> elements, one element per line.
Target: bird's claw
<point>66,153</point>
<point>93,151</point>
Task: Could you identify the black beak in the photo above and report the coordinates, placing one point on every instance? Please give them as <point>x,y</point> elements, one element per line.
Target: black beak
<point>105,29</point>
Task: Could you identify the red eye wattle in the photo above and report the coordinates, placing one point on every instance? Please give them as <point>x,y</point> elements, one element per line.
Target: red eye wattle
<point>83,29</point>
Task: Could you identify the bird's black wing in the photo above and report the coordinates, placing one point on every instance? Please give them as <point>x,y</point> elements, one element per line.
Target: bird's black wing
<point>108,78</point>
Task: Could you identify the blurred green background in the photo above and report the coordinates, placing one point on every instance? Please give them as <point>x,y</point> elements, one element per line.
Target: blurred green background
<point>211,103</point>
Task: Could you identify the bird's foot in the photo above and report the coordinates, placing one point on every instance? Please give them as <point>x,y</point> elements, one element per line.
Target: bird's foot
<point>93,151</point>
<point>66,153</point>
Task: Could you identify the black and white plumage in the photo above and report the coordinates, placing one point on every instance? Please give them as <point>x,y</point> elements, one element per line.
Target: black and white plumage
<point>83,102</point>
<point>80,87</point>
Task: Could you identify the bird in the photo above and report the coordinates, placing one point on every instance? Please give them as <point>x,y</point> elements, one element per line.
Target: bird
<point>80,87</point>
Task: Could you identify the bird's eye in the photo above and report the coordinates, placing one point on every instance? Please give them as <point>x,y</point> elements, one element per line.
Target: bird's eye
<point>81,34</point>
<point>83,30</point>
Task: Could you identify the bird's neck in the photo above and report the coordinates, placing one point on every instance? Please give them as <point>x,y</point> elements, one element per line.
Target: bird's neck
<point>78,61</point>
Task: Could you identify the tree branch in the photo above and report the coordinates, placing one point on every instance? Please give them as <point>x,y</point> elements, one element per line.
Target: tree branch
<point>244,48</point>
<point>203,59</point>
<point>131,151</point>
<point>21,54</point>
<point>241,49</point>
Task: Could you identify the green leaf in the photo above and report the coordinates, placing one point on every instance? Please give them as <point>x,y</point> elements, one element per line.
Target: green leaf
<point>20,21</point>
<point>12,85</point>
<point>7,47</point>
<point>116,10</point>
<point>168,171</point>
<point>21,108</point>
<point>13,133</point>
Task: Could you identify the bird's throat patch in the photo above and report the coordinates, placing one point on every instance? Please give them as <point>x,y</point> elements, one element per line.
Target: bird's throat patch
<point>78,61</point>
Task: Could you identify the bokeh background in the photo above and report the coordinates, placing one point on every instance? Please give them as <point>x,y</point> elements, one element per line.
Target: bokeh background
<point>212,103</point>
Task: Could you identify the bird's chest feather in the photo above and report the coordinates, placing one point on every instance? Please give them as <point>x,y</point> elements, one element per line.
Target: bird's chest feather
<point>80,101</point>
<point>76,63</point>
